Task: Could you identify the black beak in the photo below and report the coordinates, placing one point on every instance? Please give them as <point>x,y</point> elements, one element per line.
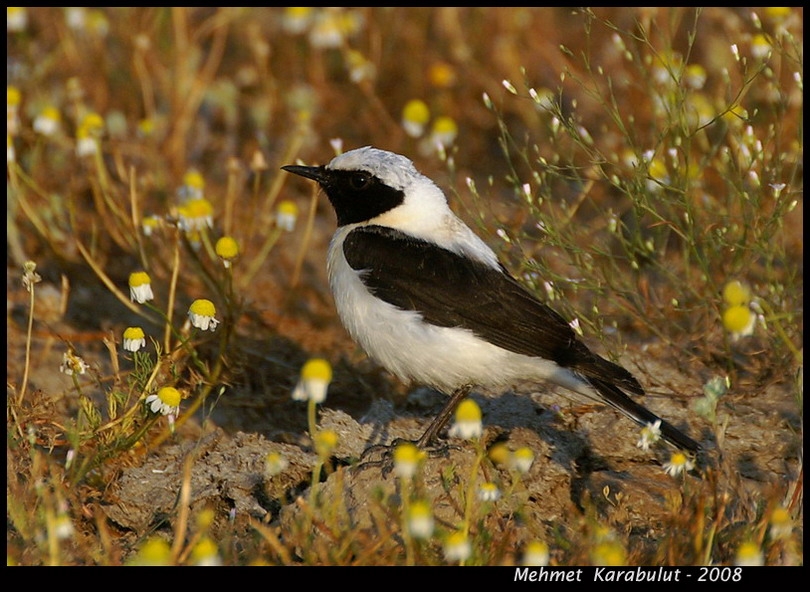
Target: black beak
<point>316,173</point>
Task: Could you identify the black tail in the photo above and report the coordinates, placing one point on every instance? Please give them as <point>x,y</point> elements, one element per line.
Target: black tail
<point>641,415</point>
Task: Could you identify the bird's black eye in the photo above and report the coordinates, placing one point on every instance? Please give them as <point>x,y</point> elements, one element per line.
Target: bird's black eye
<point>359,180</point>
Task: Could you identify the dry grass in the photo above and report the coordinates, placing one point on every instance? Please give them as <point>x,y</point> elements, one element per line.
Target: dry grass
<point>627,163</point>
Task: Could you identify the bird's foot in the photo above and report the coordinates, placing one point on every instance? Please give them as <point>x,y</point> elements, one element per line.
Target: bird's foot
<point>383,455</point>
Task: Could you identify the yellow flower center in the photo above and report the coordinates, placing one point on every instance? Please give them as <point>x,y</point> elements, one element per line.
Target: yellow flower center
<point>317,369</point>
<point>420,509</point>
<point>445,126</point>
<point>134,333</point>
<point>13,95</point>
<point>499,453</point>
<point>139,278</point>
<point>468,410</point>
<point>325,442</point>
<point>204,549</point>
<point>407,453</point>
<point>52,113</point>
<point>197,208</point>
<point>736,293</point>
<point>92,123</point>
<point>203,307</point>
<point>227,248</point>
<point>416,111</point>
<point>155,551</point>
<point>194,179</point>
<point>288,208</point>
<point>736,319</point>
<point>169,396</point>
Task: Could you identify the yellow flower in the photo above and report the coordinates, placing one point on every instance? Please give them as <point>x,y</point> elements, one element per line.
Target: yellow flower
<point>777,13</point>
<point>97,23</point>
<point>146,127</point>
<point>205,519</point>
<point>201,312</point>
<point>314,381</point>
<point>16,19</point>
<point>73,364</point>
<point>325,442</point>
<point>149,224</point>
<point>193,186</point>
<point>489,492</point>
<point>444,131</point>
<point>360,68</point>
<point>695,76</point>
<point>658,171</point>
<point>699,109</point>
<point>407,459</point>
<point>87,134</point>
<point>738,317</point>
<point>155,551</point>
<point>420,520</point>
<point>332,26</point>
<point>781,526</point>
<point>442,75</point>
<point>468,421</point>
<point>736,293</point>
<point>286,215</point>
<point>650,434</point>
<point>608,553</point>
<point>274,464</point>
<point>13,97</point>
<point>196,214</point>
<point>522,459</point>
<point>749,554</point>
<point>227,249</point>
<point>166,401</point>
<point>457,547</point>
<point>415,116</point>
<point>761,46</point>
<point>48,121</point>
<point>326,31</point>
<point>739,320</point>
<point>92,123</point>
<point>297,19</point>
<point>736,114</point>
<point>140,287</point>
<point>500,454</point>
<point>535,554</point>
<point>134,339</point>
<point>63,527</point>
<point>205,552</point>
<point>678,463</point>
<point>665,65</point>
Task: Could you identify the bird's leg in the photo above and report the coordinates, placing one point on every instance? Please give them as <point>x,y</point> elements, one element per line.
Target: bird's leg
<point>423,442</point>
<point>443,417</point>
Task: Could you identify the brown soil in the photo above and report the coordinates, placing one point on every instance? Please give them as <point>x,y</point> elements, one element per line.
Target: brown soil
<point>586,455</point>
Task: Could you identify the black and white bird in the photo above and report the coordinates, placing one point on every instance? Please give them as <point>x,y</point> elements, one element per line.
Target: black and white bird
<point>427,299</point>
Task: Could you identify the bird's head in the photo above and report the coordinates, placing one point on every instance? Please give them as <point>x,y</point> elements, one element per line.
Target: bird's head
<point>369,185</point>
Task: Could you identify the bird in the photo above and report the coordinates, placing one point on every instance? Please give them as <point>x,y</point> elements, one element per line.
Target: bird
<point>427,298</point>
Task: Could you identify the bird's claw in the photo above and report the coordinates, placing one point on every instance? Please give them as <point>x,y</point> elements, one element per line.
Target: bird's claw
<point>384,454</point>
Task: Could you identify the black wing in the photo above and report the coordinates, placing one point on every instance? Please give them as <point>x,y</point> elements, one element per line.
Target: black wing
<point>449,290</point>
